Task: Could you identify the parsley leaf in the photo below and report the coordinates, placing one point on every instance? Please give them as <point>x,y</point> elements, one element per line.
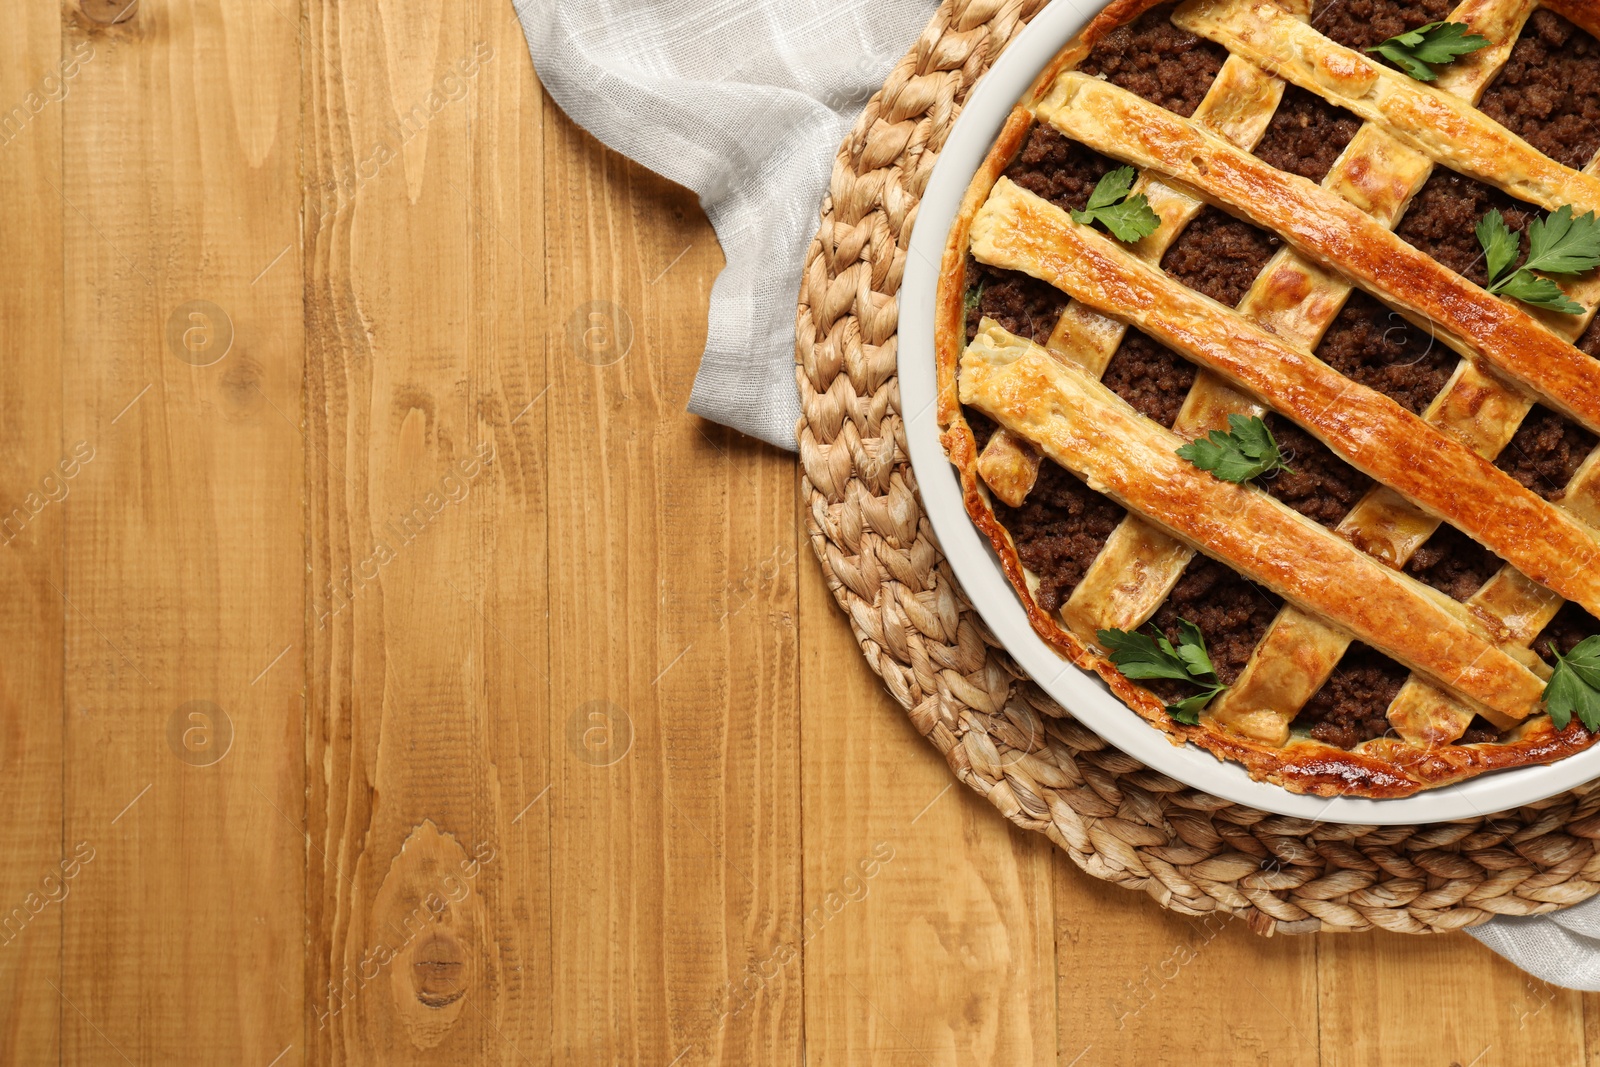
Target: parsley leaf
<point>1540,292</point>
<point>1418,51</point>
<point>1575,685</point>
<point>1246,451</point>
<point>1560,243</point>
<point>1187,710</point>
<point>1140,656</point>
<point>1500,243</point>
<point>973,298</point>
<point>1564,243</point>
<point>1111,188</point>
<point>1129,218</point>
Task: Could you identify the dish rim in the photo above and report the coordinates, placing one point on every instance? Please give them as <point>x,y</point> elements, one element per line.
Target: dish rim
<point>977,567</point>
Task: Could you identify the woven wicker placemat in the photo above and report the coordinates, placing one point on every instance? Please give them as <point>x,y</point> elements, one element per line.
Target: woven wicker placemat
<point>1004,738</point>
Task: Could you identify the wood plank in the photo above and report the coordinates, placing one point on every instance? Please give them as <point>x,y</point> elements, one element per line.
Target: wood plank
<point>1445,999</point>
<point>598,706</point>
<point>505,113</point>
<point>184,549</point>
<point>927,933</point>
<point>35,491</point>
<point>676,840</point>
<point>427,731</point>
<point>1139,984</point>
<point>1591,1027</point>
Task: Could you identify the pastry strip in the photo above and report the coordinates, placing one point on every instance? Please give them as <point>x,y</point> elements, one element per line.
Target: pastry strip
<point>1421,711</point>
<point>1020,231</point>
<point>1332,230</point>
<point>1296,654</point>
<point>1138,566</point>
<point>1088,429</point>
<point>1238,106</point>
<point>1294,659</point>
<point>1383,767</point>
<point>1292,298</point>
<point>1439,124</point>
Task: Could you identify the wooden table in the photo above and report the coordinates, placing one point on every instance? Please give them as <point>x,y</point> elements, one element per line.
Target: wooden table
<point>405,678</point>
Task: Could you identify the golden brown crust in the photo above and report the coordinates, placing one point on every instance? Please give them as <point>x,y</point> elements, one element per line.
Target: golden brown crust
<point>1428,119</point>
<point>1009,466</point>
<point>1298,654</point>
<point>1329,228</point>
<point>950,323</point>
<point>1088,429</point>
<point>1020,231</point>
<point>1385,769</point>
<point>1238,106</point>
<point>1379,769</point>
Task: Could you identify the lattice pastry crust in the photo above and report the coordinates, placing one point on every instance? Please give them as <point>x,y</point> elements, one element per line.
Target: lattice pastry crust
<point>1338,585</point>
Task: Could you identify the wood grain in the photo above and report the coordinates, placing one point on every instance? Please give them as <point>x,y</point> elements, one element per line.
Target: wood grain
<point>1483,1011</point>
<point>428,679</point>
<point>184,546</point>
<point>548,744</point>
<point>1141,985</point>
<point>927,933</point>
<point>31,524</point>
<point>673,649</point>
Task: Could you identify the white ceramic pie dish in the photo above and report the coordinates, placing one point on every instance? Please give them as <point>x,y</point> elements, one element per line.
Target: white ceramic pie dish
<point>978,568</point>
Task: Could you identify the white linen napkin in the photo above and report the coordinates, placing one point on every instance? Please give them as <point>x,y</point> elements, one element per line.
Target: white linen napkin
<point>1562,948</point>
<point>745,102</point>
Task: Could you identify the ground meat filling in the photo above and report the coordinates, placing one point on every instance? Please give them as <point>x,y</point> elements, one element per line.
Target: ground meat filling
<point>1058,531</point>
<point>1364,23</point>
<point>1453,563</point>
<point>1549,91</point>
<point>1319,485</point>
<point>1545,452</point>
<point>1306,134</point>
<point>1219,255</point>
<point>1443,218</point>
<point>1230,610</point>
<point>1149,376</point>
<point>1063,525</point>
<point>1152,58</point>
<point>1062,171</point>
<point>1571,625</point>
<point>982,426</point>
<point>1479,731</point>
<point>1019,302</point>
<point>1381,350</point>
<point>1350,707</point>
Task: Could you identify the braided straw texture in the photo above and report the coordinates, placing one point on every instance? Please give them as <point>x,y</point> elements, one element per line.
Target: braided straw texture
<point>1002,736</point>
